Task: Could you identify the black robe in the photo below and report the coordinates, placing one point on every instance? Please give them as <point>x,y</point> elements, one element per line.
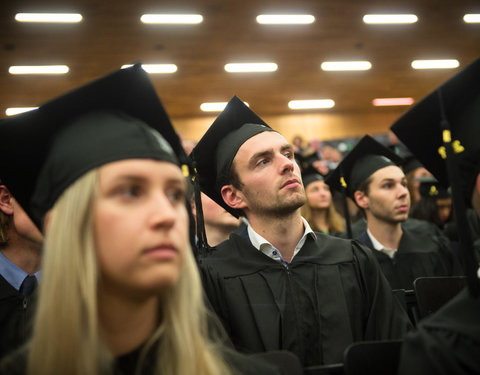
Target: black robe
<point>16,363</point>
<point>16,314</point>
<point>332,294</point>
<point>419,254</point>
<point>448,342</point>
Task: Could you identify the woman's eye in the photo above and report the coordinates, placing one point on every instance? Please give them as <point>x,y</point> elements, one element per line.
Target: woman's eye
<point>130,191</point>
<point>176,196</point>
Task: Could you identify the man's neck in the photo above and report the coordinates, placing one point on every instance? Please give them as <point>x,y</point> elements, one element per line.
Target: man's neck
<point>28,258</point>
<point>282,232</point>
<point>388,234</point>
<point>217,234</point>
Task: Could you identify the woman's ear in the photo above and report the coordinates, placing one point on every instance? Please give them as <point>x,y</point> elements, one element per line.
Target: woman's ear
<point>6,201</point>
<point>233,197</point>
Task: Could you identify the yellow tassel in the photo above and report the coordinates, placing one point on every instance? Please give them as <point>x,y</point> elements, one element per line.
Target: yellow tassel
<point>343,182</point>
<point>447,136</point>
<point>185,171</point>
<point>457,147</point>
<point>442,152</point>
<point>433,191</point>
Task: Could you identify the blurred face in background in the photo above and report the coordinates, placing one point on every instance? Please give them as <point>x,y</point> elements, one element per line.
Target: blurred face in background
<point>318,195</point>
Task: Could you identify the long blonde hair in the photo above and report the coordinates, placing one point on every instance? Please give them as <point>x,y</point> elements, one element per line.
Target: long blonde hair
<point>66,337</point>
<point>335,221</point>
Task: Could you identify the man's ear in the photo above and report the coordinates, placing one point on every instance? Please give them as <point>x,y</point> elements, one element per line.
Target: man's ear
<point>233,197</point>
<point>361,199</point>
<point>6,201</point>
<point>477,183</point>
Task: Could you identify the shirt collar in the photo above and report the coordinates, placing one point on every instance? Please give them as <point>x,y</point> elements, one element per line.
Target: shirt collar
<point>13,274</point>
<point>378,246</point>
<point>268,249</point>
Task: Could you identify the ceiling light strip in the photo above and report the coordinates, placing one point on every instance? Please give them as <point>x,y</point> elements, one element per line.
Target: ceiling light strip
<point>345,65</point>
<point>382,102</point>
<point>171,18</point>
<point>156,68</point>
<point>311,104</point>
<point>251,67</point>
<point>471,18</point>
<point>435,64</point>
<point>16,110</point>
<point>49,17</point>
<point>390,18</point>
<point>38,69</point>
<point>215,106</point>
<point>285,19</point>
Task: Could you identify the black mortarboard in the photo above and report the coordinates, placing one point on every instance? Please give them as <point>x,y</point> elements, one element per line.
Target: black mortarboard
<point>308,178</point>
<point>430,188</point>
<point>410,163</point>
<point>443,131</point>
<point>212,157</point>
<point>115,117</point>
<point>366,158</point>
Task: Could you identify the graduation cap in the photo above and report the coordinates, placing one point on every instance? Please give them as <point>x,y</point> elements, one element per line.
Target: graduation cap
<point>430,188</point>
<point>213,155</point>
<point>443,131</point>
<point>361,162</point>
<point>115,117</point>
<point>310,177</point>
<point>410,163</point>
<point>366,158</point>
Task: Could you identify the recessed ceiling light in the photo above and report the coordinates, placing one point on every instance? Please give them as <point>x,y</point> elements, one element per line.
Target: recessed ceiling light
<point>156,68</point>
<point>346,65</point>
<point>435,64</point>
<point>16,110</point>
<point>380,102</point>
<point>251,67</point>
<point>471,18</point>
<point>285,19</point>
<point>215,106</point>
<point>39,69</point>
<point>49,17</point>
<point>389,18</point>
<point>172,18</point>
<point>311,104</point>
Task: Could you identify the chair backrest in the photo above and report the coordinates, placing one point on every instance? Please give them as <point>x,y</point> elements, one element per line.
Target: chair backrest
<point>287,362</point>
<point>408,301</point>
<point>433,292</point>
<point>333,369</point>
<point>372,357</point>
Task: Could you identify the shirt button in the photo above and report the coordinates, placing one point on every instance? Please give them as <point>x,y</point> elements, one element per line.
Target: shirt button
<point>274,252</point>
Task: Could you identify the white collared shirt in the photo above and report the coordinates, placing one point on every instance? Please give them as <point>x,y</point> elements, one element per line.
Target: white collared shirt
<point>378,246</point>
<point>269,250</point>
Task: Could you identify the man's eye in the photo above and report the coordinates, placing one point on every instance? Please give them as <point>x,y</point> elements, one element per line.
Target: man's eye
<point>262,162</point>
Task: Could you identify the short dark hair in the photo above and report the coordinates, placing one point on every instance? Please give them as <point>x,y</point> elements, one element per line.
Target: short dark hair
<point>233,178</point>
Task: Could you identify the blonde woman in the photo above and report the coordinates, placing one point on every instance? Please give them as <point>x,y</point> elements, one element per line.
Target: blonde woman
<point>319,210</point>
<point>120,291</point>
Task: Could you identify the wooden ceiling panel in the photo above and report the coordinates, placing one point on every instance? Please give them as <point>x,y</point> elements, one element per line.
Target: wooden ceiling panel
<point>111,35</point>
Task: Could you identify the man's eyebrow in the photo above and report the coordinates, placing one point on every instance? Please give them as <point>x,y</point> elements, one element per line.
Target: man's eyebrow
<point>286,147</point>
<point>259,155</point>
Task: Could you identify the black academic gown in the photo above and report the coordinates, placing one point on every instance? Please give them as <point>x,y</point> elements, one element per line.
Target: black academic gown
<point>448,342</point>
<point>16,363</point>
<point>419,254</point>
<point>16,314</point>
<point>332,294</point>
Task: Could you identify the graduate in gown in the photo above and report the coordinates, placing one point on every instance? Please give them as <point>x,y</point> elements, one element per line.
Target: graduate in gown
<point>379,187</point>
<point>277,284</point>
<point>443,131</point>
<point>101,175</point>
